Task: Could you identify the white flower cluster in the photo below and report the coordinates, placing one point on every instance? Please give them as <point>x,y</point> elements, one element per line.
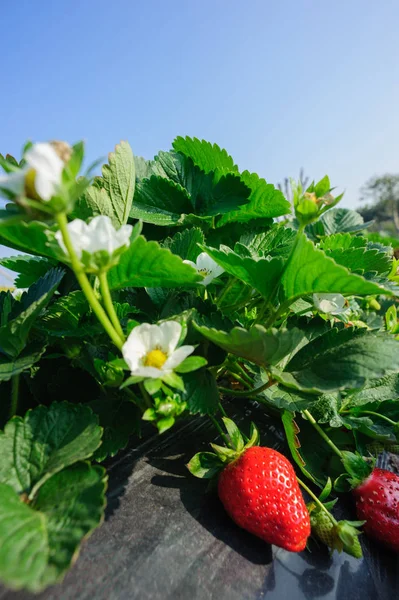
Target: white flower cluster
<point>42,173</point>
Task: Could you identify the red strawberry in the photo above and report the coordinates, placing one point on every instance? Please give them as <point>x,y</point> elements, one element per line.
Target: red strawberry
<point>377,502</point>
<point>260,492</point>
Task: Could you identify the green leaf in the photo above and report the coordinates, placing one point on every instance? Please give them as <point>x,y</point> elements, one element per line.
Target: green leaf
<point>45,441</point>
<point>186,243</point>
<point>118,180</point>
<point>31,354</point>
<point>265,201</point>
<point>191,363</point>
<point>291,431</point>
<point>152,386</point>
<point>208,157</point>
<point>342,241</point>
<point>201,393</point>
<point>341,359</point>
<point>262,347</point>
<point>95,201</point>
<point>24,548</point>
<point>174,381</point>
<point>361,260</point>
<point>291,400</point>
<point>277,241</point>
<point>32,237</point>
<point>14,334</point>
<point>260,273</point>
<point>341,220</point>
<point>72,502</point>
<point>235,436</point>
<point>310,270</point>
<point>322,187</point>
<point>205,465</point>
<point>120,420</point>
<point>146,264</point>
<point>376,390</point>
<point>177,189</point>
<point>30,268</point>
<point>69,316</point>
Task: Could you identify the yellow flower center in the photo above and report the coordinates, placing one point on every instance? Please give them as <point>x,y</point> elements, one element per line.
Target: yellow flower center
<point>30,190</point>
<point>155,358</point>
<point>204,271</point>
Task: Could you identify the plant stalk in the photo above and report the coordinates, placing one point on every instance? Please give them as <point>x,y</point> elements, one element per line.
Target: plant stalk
<point>315,498</point>
<point>247,393</point>
<point>109,305</point>
<point>84,283</point>
<point>320,431</point>
<point>220,431</point>
<point>14,395</point>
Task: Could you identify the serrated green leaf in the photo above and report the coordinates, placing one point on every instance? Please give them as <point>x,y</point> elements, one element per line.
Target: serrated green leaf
<point>262,274</point>
<point>205,465</point>
<point>24,548</point>
<point>208,157</point>
<point>31,354</point>
<point>322,187</point>
<point>146,264</point>
<point>30,268</point>
<point>186,243</point>
<point>339,360</point>
<point>68,316</point>
<point>201,393</point>
<point>265,201</point>
<point>14,333</point>
<point>376,390</point>
<point>361,260</point>
<point>277,241</point>
<point>120,420</point>
<point>32,237</point>
<point>118,180</point>
<point>291,431</point>
<point>310,271</point>
<point>291,400</point>
<point>95,201</point>
<point>342,241</point>
<point>342,220</point>
<point>262,347</point>
<point>160,201</point>
<point>45,441</point>
<point>72,502</point>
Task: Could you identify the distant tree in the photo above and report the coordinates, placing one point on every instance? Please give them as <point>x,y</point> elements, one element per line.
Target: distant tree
<point>383,192</point>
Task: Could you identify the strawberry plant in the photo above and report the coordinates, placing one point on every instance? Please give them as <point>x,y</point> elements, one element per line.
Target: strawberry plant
<point>153,293</point>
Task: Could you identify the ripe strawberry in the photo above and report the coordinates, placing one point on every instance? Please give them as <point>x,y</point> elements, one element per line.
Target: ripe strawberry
<point>377,502</point>
<point>260,492</point>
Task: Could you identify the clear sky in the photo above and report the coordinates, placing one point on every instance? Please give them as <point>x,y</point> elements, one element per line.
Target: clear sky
<point>280,85</point>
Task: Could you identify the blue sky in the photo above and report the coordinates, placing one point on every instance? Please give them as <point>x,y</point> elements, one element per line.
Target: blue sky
<point>279,84</point>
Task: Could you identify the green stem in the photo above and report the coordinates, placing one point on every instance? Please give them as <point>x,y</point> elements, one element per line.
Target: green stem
<point>135,399</point>
<point>109,305</point>
<point>146,396</point>
<point>226,290</point>
<point>14,395</point>
<point>315,498</point>
<point>243,372</point>
<point>222,410</point>
<point>374,414</point>
<point>220,431</point>
<point>84,283</point>
<point>322,433</point>
<point>240,379</point>
<point>247,393</point>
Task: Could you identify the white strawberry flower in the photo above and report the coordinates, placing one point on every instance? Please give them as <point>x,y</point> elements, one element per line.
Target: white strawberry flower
<point>205,265</point>
<point>332,304</point>
<point>41,176</point>
<point>98,236</point>
<point>151,351</point>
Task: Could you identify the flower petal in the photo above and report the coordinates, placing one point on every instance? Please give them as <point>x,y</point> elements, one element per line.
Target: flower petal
<point>177,357</point>
<point>14,182</point>
<point>190,262</point>
<point>170,332</point>
<point>48,166</point>
<point>150,372</point>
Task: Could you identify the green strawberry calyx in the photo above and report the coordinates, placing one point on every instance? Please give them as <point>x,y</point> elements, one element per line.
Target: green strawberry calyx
<point>207,465</point>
